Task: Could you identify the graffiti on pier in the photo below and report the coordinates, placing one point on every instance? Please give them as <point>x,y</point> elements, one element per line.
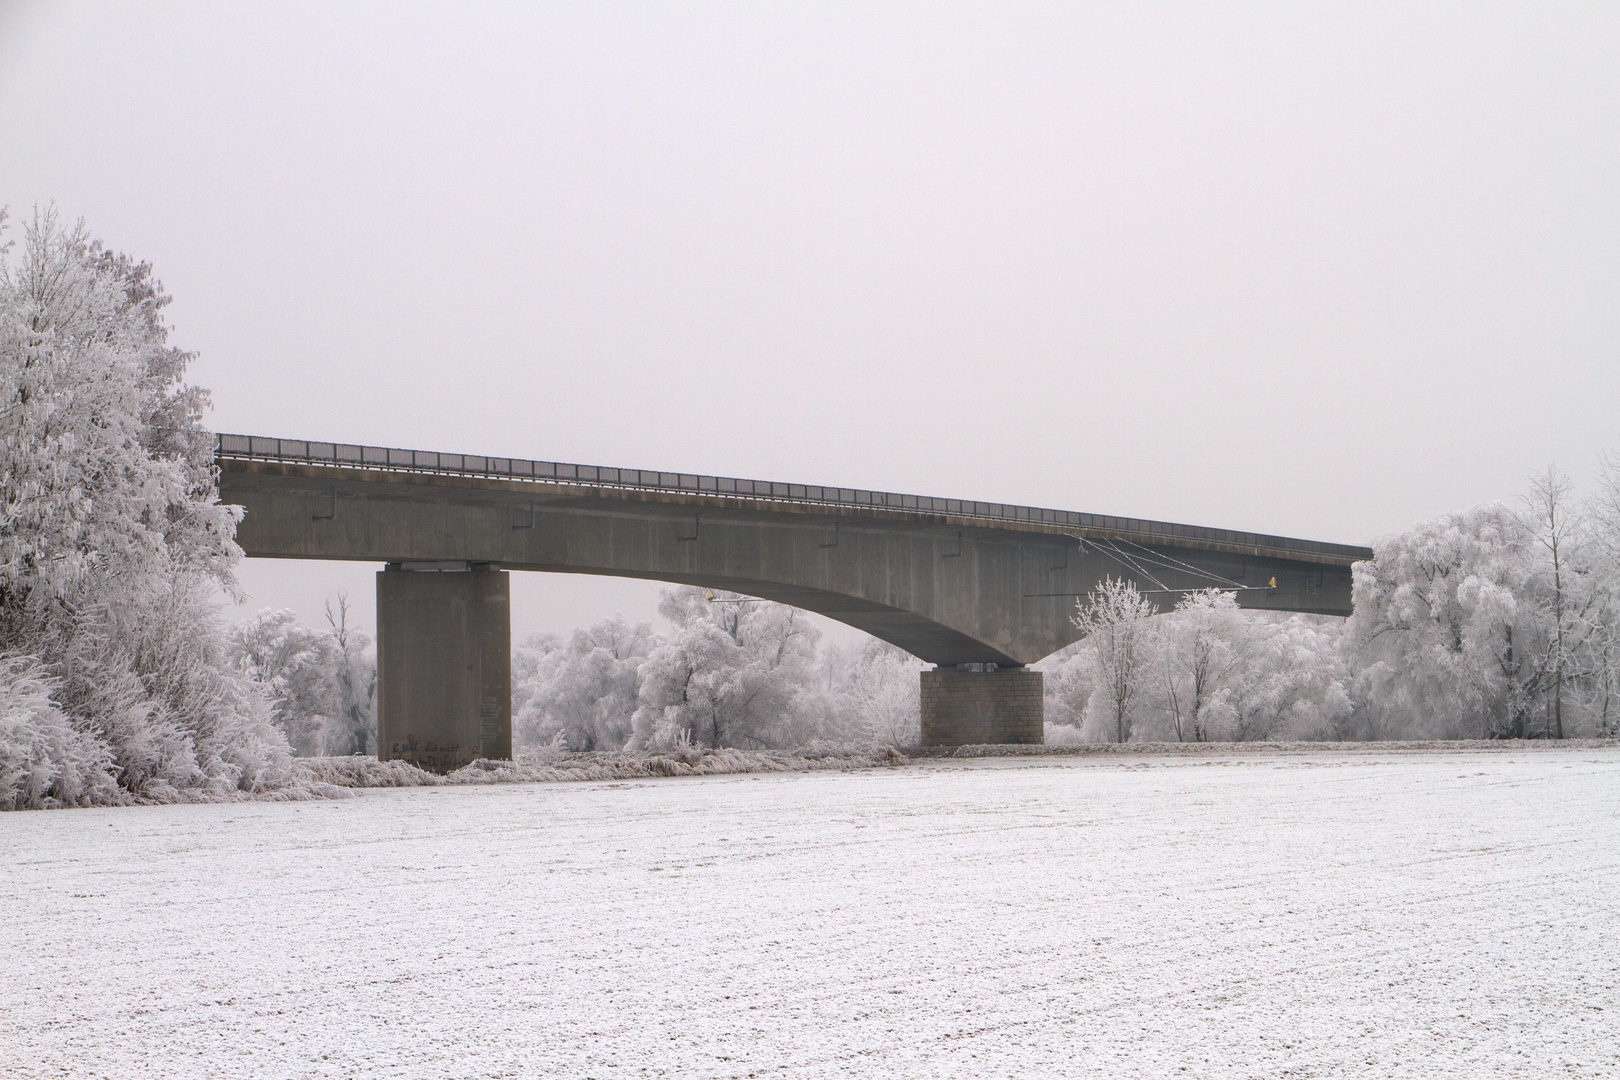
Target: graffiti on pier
<point>432,755</point>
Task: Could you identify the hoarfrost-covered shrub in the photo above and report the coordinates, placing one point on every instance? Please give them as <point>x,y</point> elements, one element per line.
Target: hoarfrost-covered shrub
<point>44,759</point>
<point>1067,684</point>
<point>1063,735</point>
<point>155,679</point>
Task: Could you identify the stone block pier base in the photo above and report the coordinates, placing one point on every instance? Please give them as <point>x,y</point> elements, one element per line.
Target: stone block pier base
<point>970,705</point>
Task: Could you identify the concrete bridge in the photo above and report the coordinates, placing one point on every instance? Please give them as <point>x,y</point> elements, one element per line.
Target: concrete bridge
<point>978,589</point>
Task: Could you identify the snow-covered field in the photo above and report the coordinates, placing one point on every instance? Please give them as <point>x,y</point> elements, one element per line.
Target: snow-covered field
<point>1315,914</point>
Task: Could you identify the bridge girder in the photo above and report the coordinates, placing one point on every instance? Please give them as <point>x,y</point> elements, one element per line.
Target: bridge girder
<point>949,589</point>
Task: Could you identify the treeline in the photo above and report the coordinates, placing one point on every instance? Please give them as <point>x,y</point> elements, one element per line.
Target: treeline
<point>1497,622</point>
<point>1207,671</point>
<point>729,672</point>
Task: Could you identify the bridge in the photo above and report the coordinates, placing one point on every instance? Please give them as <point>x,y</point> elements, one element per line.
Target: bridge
<point>980,590</point>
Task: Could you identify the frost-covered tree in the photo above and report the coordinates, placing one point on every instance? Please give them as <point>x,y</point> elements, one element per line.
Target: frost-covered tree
<point>1067,685</point>
<point>112,538</point>
<point>1116,619</point>
<point>732,673</point>
<point>297,667</point>
<point>321,681</point>
<point>104,467</point>
<point>1289,682</point>
<point>582,694</point>
<point>1602,688</point>
<point>1603,509</point>
<point>1444,639</point>
<point>1494,623</point>
<point>880,698</point>
<point>1569,594</point>
<point>1206,642</point>
<point>533,659</point>
<point>1599,693</point>
<point>356,677</point>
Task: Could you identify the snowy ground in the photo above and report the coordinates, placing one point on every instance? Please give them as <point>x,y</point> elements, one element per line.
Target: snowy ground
<point>1331,914</point>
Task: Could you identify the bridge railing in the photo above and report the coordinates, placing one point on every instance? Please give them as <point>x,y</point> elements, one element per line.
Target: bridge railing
<point>257,447</point>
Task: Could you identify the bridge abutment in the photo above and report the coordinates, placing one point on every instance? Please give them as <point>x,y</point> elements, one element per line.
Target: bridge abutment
<point>969,705</point>
<point>444,664</point>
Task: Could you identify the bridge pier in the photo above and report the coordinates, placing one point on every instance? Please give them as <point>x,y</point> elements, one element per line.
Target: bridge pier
<point>974,704</point>
<point>444,664</point>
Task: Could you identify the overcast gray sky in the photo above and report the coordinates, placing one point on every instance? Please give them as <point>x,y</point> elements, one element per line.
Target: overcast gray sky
<point>1319,270</point>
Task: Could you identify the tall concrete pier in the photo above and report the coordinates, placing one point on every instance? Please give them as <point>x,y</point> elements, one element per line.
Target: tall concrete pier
<point>444,664</point>
<point>979,589</point>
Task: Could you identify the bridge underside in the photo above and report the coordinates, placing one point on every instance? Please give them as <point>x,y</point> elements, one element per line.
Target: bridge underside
<point>952,591</point>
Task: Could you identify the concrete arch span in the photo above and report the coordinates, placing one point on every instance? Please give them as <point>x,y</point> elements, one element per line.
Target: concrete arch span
<point>921,637</point>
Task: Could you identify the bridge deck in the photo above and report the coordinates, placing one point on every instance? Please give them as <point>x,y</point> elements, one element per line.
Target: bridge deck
<point>719,489</point>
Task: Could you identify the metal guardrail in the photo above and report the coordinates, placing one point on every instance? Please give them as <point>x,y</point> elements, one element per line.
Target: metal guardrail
<point>257,447</point>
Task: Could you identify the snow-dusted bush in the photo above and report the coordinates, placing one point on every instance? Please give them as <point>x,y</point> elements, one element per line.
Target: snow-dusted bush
<point>1067,676</point>
<point>154,679</point>
<point>1063,735</point>
<point>45,760</point>
<point>322,775</point>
